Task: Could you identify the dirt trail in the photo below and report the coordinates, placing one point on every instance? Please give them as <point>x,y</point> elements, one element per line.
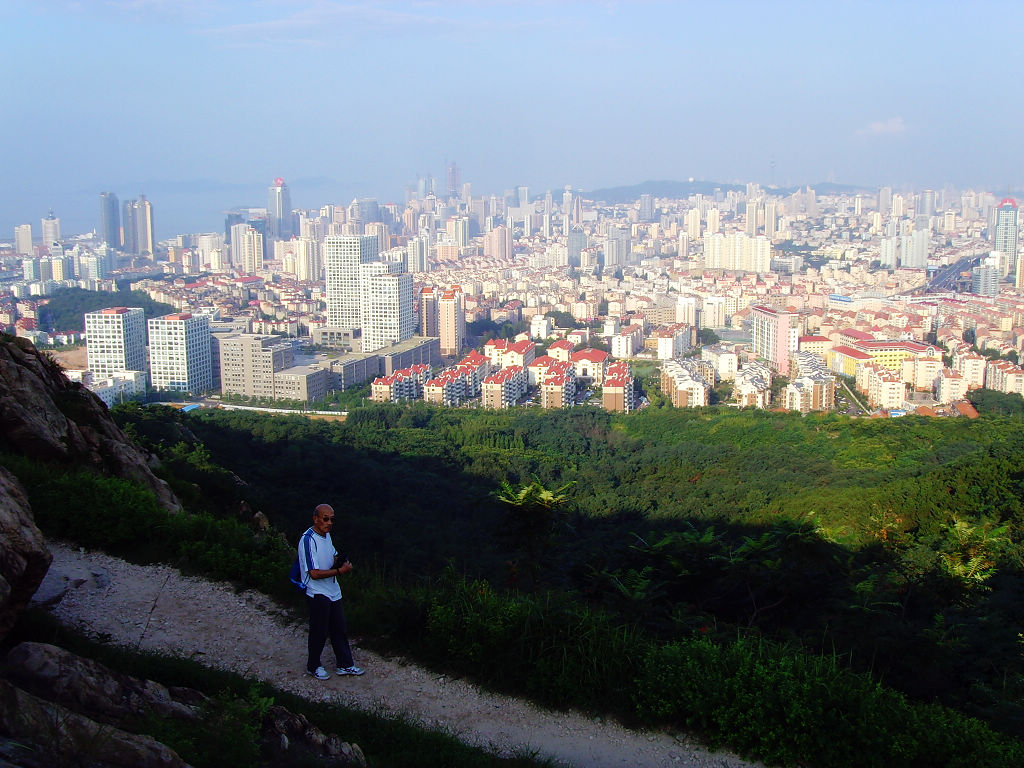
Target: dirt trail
<point>155,608</point>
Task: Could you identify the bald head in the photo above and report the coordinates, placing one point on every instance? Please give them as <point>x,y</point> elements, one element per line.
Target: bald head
<point>323,518</point>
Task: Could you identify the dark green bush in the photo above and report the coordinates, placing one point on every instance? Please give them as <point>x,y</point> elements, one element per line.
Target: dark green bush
<point>791,709</point>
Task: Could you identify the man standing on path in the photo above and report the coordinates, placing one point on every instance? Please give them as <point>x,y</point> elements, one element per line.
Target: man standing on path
<point>320,565</point>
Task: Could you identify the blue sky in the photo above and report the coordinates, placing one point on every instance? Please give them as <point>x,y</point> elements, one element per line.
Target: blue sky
<point>201,103</point>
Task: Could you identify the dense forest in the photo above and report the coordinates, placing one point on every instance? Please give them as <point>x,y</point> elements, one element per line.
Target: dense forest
<point>893,546</point>
<point>65,311</point>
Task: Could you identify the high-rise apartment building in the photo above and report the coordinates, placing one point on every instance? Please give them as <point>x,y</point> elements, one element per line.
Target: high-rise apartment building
<point>279,210</point>
<point>618,247</point>
<point>343,254</point>
<point>418,254</point>
<point>775,335</point>
<point>693,223</point>
<point>429,317</point>
<point>920,240</point>
<point>771,219</point>
<point>985,280</point>
<point>110,219</point>
<point>1005,236</point>
<point>247,248</point>
<point>23,239</point>
<point>451,321</point>
<point>498,243</point>
<point>179,353</point>
<point>753,216</point>
<point>50,230</point>
<point>115,340</point>
<point>385,304</point>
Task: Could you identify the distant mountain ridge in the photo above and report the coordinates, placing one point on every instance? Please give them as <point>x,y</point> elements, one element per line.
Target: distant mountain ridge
<point>680,189</point>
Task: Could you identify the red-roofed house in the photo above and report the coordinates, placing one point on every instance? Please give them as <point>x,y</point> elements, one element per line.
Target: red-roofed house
<point>590,364</point>
<point>561,349</point>
<point>520,353</point>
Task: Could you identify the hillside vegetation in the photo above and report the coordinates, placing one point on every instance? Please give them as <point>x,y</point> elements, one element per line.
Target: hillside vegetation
<point>802,589</point>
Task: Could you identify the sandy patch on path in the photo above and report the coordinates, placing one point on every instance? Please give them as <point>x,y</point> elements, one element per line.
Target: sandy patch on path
<point>155,608</point>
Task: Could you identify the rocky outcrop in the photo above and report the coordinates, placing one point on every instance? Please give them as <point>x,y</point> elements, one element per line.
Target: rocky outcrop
<point>68,738</point>
<point>286,734</point>
<point>45,416</point>
<point>70,706</point>
<point>88,686</point>
<point>24,557</point>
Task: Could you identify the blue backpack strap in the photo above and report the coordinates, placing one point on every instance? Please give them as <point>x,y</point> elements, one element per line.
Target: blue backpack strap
<point>295,576</point>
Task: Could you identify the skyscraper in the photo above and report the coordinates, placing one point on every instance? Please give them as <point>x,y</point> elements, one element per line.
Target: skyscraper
<point>115,340</point>
<point>577,243</point>
<point>137,221</point>
<point>51,230</point>
<point>454,180</point>
<point>23,239</point>
<point>179,353</point>
<point>342,256</point>
<point>646,212</point>
<point>110,219</point>
<point>385,304</point>
<point>1006,236</point>
<point>279,210</point>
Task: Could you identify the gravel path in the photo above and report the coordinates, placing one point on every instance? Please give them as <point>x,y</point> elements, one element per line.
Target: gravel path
<point>155,608</point>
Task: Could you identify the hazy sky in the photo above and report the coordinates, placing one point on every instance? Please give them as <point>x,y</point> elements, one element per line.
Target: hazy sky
<point>201,103</point>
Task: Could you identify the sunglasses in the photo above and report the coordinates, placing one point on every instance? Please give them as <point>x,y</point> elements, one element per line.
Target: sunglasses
<point>328,519</point>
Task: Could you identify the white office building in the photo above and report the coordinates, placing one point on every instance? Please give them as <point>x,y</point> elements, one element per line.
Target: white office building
<point>343,255</point>
<point>386,304</point>
<point>179,353</point>
<point>23,239</point>
<point>115,340</point>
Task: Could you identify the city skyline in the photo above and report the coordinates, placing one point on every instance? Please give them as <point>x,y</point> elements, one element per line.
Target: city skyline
<point>542,95</point>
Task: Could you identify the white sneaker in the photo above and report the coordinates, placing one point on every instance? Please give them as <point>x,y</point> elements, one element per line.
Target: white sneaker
<point>320,673</point>
<point>353,670</point>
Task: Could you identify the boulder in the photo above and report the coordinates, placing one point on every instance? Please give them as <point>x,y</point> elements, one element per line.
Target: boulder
<point>24,557</point>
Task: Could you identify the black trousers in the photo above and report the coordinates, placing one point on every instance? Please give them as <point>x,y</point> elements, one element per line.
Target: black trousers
<point>327,619</point>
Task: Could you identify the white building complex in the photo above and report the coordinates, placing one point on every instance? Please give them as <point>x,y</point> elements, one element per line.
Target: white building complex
<point>179,353</point>
<point>386,304</point>
<point>115,340</point>
<point>343,254</point>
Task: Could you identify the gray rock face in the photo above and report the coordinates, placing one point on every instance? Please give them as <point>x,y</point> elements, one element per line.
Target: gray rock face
<point>88,686</point>
<point>46,417</point>
<point>24,557</point>
<point>68,738</point>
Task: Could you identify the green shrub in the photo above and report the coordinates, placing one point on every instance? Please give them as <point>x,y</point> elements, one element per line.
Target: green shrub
<point>788,708</point>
